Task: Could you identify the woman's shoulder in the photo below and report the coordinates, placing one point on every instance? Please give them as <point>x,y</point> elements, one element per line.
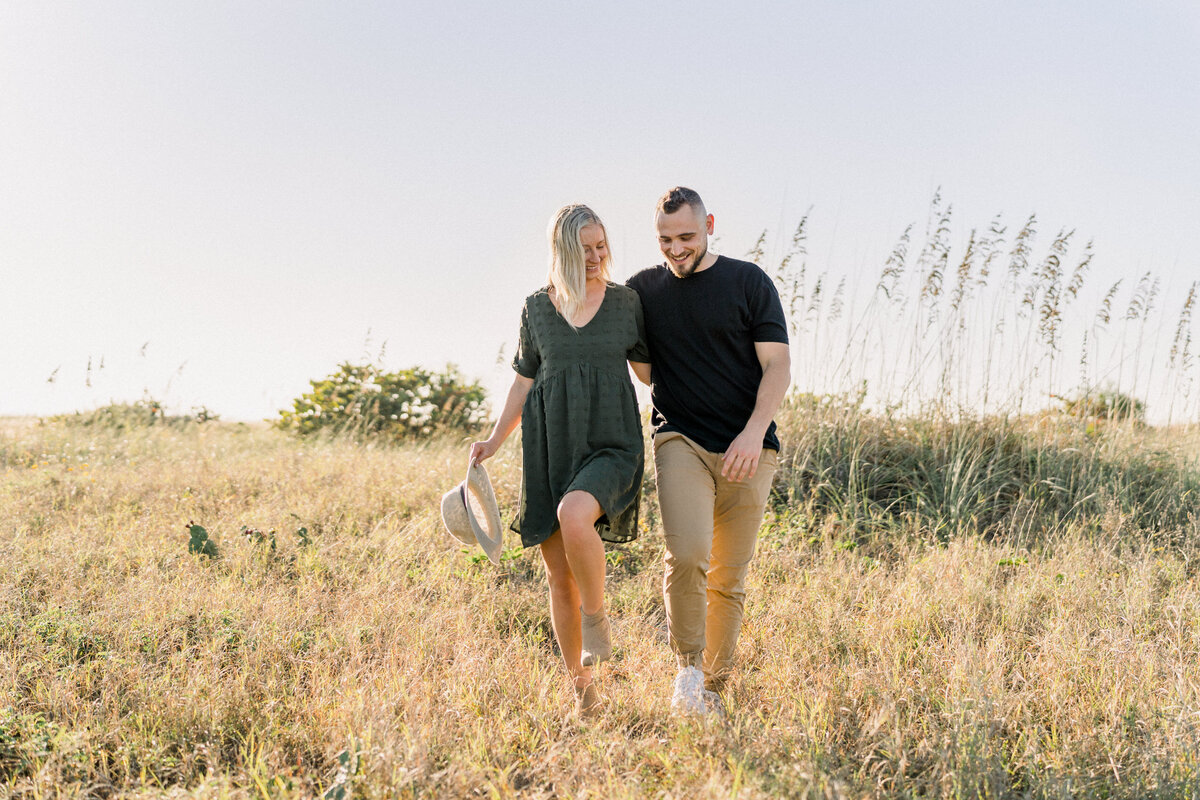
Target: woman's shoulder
<point>542,295</point>
<point>623,292</point>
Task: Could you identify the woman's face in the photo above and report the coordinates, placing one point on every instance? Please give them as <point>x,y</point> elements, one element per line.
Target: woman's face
<point>595,249</point>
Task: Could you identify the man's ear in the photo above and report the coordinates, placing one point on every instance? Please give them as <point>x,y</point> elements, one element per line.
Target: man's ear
<point>709,222</point>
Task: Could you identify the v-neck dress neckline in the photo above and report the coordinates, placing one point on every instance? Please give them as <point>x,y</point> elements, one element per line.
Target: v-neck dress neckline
<point>592,318</point>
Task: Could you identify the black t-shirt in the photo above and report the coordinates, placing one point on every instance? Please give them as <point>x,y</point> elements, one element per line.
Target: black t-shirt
<point>701,330</point>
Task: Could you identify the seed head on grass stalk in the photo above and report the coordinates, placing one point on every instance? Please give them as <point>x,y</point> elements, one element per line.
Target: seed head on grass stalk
<point>1079,274</point>
<point>990,247</point>
<point>1140,302</point>
<point>1141,305</point>
<point>1104,314</point>
<point>1182,327</point>
<point>757,253</point>
<point>935,255</point>
<point>789,279</point>
<point>835,305</point>
<point>1179,360</point>
<point>1050,275</point>
<point>963,274</point>
<point>1018,257</point>
<point>813,312</point>
<point>893,268</point>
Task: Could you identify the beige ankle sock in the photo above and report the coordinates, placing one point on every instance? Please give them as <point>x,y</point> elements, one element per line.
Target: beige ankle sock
<point>597,638</point>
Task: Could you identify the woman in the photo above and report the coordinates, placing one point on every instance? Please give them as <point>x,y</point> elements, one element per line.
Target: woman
<point>581,433</point>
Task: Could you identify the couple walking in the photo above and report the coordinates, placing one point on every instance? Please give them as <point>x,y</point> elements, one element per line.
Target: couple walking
<point>708,335</point>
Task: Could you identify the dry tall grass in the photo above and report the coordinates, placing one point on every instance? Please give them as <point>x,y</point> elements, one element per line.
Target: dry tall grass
<point>904,663</point>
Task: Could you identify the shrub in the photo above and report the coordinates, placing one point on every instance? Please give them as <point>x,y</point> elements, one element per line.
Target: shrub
<point>1104,405</point>
<point>364,400</point>
<point>990,475</point>
<point>144,413</point>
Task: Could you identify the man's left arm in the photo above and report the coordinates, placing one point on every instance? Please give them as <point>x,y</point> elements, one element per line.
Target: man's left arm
<point>741,459</point>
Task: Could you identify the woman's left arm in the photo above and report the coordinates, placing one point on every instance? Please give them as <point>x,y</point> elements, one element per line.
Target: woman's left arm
<point>639,354</point>
<point>642,370</point>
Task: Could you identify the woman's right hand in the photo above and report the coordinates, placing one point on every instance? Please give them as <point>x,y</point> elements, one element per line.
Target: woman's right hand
<point>481,451</point>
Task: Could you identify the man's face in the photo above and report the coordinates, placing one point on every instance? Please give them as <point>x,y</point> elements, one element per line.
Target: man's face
<point>683,239</point>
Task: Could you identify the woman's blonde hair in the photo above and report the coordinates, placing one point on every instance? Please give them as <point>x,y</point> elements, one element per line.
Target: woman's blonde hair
<point>568,265</point>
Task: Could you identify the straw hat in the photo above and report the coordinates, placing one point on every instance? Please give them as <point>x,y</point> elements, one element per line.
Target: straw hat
<point>460,519</point>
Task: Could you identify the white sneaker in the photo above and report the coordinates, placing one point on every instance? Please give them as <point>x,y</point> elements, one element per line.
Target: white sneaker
<point>688,697</point>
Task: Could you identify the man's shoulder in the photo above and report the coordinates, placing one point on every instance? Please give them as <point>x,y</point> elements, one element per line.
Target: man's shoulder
<point>743,269</point>
<point>646,278</point>
<point>738,263</point>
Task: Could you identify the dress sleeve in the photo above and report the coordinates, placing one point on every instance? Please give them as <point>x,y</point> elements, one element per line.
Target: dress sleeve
<point>528,359</point>
<point>767,320</point>
<point>640,351</point>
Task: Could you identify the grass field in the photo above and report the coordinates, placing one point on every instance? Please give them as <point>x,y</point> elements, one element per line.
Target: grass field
<point>957,593</point>
<point>953,610</point>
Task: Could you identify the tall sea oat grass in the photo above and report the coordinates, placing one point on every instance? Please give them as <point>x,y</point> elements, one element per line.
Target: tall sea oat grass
<point>996,326</point>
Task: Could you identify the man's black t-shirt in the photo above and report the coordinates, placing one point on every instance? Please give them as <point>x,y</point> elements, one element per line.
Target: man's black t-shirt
<point>701,331</point>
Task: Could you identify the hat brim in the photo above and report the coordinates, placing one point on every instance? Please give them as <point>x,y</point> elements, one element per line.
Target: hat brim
<point>458,514</point>
<point>491,539</point>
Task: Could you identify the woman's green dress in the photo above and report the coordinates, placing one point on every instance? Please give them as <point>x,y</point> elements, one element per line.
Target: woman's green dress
<point>580,426</point>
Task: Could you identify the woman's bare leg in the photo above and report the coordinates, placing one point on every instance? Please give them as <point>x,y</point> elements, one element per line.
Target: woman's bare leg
<point>577,515</point>
<point>564,607</point>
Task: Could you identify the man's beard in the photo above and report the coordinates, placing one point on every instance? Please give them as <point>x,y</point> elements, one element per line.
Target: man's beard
<point>689,268</point>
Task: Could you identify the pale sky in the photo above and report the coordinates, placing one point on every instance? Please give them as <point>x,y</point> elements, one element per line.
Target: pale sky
<point>223,200</point>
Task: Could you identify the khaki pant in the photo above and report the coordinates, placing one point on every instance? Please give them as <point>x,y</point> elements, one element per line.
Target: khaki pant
<point>710,525</point>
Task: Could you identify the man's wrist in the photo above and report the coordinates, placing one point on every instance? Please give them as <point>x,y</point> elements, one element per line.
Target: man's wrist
<point>756,430</point>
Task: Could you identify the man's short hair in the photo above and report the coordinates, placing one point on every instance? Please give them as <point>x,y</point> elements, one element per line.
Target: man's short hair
<point>679,197</point>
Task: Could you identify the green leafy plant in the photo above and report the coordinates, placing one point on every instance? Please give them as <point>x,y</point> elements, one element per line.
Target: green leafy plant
<point>27,741</point>
<point>348,766</point>
<point>511,554</point>
<point>404,405</point>
<point>257,537</point>
<point>199,541</point>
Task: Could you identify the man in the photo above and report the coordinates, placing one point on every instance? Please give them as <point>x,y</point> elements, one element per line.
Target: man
<point>720,368</point>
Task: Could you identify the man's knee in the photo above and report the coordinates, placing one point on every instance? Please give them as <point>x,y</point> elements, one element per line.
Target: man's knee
<point>687,553</point>
<point>734,594</point>
<point>728,580</point>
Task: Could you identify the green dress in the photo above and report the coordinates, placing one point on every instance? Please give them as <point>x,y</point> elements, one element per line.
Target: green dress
<point>580,427</point>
